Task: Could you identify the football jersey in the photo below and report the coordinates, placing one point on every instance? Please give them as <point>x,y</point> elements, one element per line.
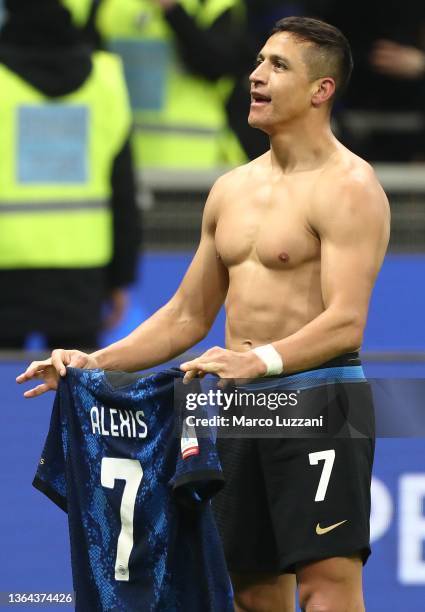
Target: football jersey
<point>136,485</point>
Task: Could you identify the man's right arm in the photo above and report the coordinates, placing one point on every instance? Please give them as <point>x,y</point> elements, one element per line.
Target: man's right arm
<point>186,318</point>
<point>170,331</point>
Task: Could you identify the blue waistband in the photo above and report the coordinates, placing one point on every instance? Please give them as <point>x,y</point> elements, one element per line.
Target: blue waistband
<point>312,378</point>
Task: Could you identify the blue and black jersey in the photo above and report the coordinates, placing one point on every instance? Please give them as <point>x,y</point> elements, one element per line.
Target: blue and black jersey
<point>137,495</point>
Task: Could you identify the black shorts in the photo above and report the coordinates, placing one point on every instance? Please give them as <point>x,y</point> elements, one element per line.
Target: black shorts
<point>293,500</point>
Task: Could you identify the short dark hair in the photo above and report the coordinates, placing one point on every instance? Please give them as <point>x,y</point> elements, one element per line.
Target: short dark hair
<point>331,52</point>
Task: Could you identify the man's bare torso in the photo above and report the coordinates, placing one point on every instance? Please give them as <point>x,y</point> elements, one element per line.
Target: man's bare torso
<point>267,239</point>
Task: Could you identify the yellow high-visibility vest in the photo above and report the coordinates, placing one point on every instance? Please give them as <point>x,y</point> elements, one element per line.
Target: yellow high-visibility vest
<point>55,175</point>
<point>180,119</point>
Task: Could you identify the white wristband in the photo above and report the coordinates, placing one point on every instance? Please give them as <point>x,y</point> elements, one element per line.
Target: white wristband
<point>271,358</point>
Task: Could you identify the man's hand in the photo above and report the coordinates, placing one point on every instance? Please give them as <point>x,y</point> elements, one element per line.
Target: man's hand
<point>51,369</point>
<point>224,363</point>
<point>398,61</point>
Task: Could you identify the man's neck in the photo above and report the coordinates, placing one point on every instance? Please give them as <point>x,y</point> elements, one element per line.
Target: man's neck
<point>302,146</point>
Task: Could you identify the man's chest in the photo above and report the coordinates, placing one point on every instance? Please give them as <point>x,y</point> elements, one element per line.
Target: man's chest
<point>269,225</point>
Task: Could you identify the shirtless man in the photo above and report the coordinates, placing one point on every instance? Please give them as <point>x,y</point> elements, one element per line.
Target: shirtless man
<point>291,243</point>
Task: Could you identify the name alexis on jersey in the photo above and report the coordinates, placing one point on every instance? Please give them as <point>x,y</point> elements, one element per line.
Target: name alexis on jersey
<point>118,423</point>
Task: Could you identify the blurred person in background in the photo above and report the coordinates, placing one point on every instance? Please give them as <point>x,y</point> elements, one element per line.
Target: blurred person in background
<point>386,100</point>
<point>398,61</point>
<point>68,216</point>
<point>183,60</point>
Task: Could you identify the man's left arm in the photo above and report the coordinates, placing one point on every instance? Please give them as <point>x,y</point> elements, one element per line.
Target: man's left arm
<point>353,227</point>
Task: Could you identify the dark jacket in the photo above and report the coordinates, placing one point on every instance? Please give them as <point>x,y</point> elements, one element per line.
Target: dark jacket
<point>40,44</point>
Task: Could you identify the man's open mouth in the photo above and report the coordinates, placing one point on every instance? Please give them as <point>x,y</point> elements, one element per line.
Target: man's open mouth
<point>258,99</point>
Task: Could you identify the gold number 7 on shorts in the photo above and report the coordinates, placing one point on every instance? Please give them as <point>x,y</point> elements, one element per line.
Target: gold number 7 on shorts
<point>328,456</point>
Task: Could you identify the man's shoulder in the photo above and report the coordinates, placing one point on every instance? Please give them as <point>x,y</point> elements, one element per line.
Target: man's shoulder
<point>348,186</point>
<point>345,167</point>
<point>351,180</point>
<point>350,170</point>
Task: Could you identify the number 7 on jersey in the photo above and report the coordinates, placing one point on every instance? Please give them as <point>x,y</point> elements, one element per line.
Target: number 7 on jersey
<point>131,471</point>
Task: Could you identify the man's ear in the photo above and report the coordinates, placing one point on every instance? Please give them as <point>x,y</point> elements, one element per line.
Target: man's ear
<point>323,90</point>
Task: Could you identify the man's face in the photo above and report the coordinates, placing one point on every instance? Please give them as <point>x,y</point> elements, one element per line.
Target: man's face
<point>281,88</point>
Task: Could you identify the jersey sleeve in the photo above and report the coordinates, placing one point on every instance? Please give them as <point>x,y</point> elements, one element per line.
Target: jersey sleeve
<point>50,477</point>
<point>198,476</point>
